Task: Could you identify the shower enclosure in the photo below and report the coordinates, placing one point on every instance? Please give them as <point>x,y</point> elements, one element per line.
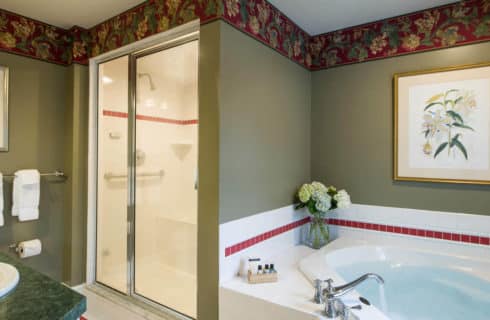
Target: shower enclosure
<point>146,174</point>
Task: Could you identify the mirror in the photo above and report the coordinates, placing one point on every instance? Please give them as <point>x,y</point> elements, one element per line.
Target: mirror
<point>4,90</point>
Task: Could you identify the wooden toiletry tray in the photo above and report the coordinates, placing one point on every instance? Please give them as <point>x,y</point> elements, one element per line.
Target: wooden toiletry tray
<point>262,278</point>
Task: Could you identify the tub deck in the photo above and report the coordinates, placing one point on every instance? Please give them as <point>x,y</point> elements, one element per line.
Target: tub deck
<point>288,299</point>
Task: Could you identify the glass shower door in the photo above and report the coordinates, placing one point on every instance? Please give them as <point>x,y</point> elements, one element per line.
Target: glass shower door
<point>112,183</point>
<point>165,171</point>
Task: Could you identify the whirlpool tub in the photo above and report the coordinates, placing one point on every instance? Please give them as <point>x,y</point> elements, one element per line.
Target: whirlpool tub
<point>423,281</point>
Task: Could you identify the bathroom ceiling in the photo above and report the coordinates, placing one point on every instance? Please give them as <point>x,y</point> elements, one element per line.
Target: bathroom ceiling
<point>67,13</point>
<point>320,16</point>
<point>314,16</point>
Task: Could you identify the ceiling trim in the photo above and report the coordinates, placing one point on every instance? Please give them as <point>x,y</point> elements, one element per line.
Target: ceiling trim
<point>452,25</point>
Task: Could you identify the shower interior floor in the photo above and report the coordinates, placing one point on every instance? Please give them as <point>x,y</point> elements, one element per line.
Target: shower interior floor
<point>165,285</point>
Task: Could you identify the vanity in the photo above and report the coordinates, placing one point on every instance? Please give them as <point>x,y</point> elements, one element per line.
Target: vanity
<point>38,297</point>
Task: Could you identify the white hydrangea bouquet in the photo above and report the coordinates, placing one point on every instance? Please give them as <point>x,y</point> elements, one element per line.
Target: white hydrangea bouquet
<point>319,199</point>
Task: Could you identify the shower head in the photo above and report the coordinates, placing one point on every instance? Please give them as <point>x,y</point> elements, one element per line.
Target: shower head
<point>150,79</point>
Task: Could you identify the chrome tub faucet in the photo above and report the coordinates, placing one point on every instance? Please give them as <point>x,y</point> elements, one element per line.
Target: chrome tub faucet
<point>334,307</point>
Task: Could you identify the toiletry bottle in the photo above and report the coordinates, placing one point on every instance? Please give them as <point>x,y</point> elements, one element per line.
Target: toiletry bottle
<point>253,263</point>
<point>271,268</point>
<point>266,269</point>
<point>244,266</point>
<point>259,269</point>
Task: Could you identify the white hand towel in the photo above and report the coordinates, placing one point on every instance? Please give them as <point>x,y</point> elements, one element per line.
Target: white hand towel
<point>29,176</point>
<point>1,200</point>
<point>26,195</point>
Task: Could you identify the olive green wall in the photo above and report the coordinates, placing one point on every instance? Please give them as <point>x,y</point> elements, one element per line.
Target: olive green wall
<point>208,195</point>
<point>76,144</point>
<point>264,127</point>
<point>352,133</point>
<point>254,132</point>
<point>36,129</point>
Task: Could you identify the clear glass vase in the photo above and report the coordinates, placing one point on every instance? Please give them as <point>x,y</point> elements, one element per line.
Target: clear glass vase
<point>316,233</point>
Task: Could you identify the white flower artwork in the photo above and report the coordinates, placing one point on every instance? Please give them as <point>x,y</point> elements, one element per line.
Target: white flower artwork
<point>442,125</point>
<point>448,125</point>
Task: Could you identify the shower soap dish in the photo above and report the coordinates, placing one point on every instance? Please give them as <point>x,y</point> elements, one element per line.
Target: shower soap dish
<point>261,277</point>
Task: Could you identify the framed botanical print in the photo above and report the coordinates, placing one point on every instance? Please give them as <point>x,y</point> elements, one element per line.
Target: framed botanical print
<point>4,91</point>
<point>442,125</point>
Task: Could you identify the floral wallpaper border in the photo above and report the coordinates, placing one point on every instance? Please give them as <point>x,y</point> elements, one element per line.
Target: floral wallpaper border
<point>149,18</point>
<point>269,25</point>
<point>460,23</point>
<point>27,37</point>
<point>455,24</point>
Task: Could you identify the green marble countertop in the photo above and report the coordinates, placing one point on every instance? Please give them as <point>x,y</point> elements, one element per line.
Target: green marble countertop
<point>38,297</point>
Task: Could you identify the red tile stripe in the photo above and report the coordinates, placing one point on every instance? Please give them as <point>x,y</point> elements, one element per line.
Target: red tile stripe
<point>264,236</point>
<point>457,237</point>
<point>118,114</point>
<point>450,236</point>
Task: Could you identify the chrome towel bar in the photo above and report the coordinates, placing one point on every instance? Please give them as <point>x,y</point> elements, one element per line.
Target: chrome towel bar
<point>57,173</point>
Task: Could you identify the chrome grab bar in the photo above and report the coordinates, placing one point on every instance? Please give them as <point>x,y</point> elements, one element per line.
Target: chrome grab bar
<point>57,173</point>
<point>111,175</point>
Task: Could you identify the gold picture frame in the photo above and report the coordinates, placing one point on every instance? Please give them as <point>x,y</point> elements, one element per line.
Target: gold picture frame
<point>444,157</point>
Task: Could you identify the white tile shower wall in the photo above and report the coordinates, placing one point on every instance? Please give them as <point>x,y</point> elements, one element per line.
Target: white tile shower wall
<point>166,207</point>
<point>240,230</point>
<point>412,218</point>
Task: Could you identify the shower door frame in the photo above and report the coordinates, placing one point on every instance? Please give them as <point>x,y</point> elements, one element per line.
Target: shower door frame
<point>153,44</point>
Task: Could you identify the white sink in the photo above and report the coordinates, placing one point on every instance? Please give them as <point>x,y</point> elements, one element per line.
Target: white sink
<point>9,278</point>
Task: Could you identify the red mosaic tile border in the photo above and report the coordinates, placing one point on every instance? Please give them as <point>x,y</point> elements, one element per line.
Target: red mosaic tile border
<point>118,114</point>
<point>264,236</point>
<point>457,237</point>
